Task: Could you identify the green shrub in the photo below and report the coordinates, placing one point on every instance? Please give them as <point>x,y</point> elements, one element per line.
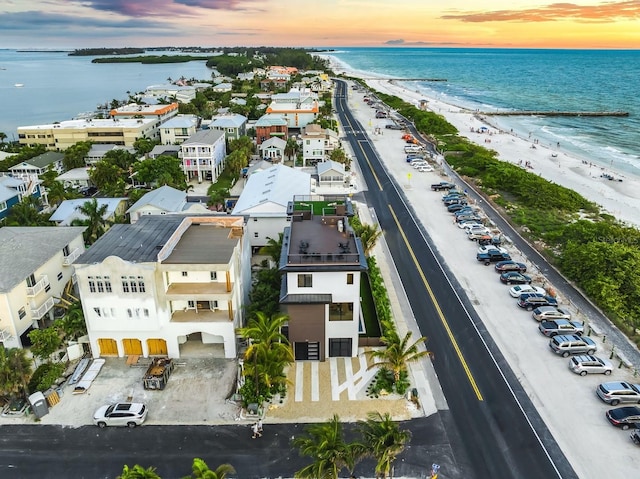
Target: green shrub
<point>45,376</point>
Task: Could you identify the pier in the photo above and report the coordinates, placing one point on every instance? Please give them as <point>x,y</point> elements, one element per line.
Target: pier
<point>552,113</point>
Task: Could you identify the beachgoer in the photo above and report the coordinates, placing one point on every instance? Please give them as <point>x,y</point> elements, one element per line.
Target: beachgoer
<point>260,424</point>
<point>256,432</point>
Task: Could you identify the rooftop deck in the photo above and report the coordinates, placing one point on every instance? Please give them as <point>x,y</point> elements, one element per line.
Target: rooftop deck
<point>322,239</point>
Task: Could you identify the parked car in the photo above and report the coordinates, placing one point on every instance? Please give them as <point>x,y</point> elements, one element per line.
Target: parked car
<point>548,313</point>
<point>469,225</point>
<point>423,168</point>
<point>587,364</point>
<point>120,414</point>
<point>560,326</point>
<point>457,207</point>
<point>467,216</point>
<point>491,255</point>
<point>513,277</point>
<point>455,201</point>
<point>530,302</point>
<point>394,126</point>
<point>504,266</point>
<point>566,345</point>
<point>417,162</point>
<point>443,185</point>
<point>88,191</point>
<point>624,417</point>
<point>618,392</point>
<point>475,233</point>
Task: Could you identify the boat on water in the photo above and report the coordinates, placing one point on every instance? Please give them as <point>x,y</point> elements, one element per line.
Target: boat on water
<point>18,85</point>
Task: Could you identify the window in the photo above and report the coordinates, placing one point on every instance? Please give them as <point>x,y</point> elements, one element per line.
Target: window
<point>255,219</point>
<point>185,274</point>
<point>22,313</point>
<point>47,288</point>
<point>92,284</point>
<point>60,276</point>
<point>3,205</point>
<point>305,281</point>
<point>129,313</point>
<point>255,234</point>
<point>341,312</point>
<point>191,304</point>
<point>214,275</point>
<point>349,278</point>
<point>125,284</point>
<point>98,312</point>
<point>132,284</point>
<point>145,311</point>
<point>100,284</point>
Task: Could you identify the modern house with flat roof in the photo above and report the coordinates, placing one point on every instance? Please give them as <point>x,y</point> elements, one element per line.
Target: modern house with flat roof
<point>36,267</point>
<point>60,136</point>
<point>166,285</point>
<point>160,113</point>
<point>265,198</point>
<point>203,155</point>
<point>321,264</point>
<point>298,108</point>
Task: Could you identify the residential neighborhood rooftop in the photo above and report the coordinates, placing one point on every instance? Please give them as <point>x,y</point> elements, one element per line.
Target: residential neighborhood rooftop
<point>206,243</point>
<point>23,249</point>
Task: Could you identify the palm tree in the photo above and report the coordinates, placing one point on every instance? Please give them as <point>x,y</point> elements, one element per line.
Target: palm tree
<point>369,235</point>
<point>268,353</point>
<point>291,148</point>
<point>56,193</point>
<point>72,323</point>
<point>15,371</point>
<point>325,444</point>
<point>397,353</point>
<point>273,248</point>
<point>202,471</point>
<point>384,440</point>
<point>95,222</point>
<point>3,136</point>
<point>27,213</point>
<point>138,472</point>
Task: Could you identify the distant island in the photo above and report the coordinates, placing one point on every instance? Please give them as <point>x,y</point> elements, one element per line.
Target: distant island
<point>149,59</point>
<point>92,52</point>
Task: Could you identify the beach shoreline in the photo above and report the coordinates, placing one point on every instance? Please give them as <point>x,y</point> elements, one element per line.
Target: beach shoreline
<point>616,192</point>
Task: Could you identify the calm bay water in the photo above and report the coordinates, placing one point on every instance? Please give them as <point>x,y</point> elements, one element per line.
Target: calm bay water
<point>57,86</point>
<point>489,79</point>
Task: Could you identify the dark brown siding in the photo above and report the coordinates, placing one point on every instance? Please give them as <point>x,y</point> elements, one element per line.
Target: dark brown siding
<point>306,323</point>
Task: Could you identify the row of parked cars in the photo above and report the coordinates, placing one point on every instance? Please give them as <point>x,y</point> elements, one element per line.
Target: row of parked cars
<point>566,336</point>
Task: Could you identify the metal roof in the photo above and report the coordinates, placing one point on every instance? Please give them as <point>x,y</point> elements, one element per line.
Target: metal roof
<point>165,198</point>
<point>24,249</point>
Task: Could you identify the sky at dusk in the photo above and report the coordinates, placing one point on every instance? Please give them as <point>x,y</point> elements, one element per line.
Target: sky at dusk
<point>315,23</point>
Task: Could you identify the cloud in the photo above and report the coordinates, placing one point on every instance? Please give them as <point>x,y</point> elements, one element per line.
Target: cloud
<point>138,8</point>
<point>602,13</point>
<point>399,41</point>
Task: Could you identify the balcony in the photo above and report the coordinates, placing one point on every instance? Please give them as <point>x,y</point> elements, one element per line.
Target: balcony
<point>40,312</point>
<point>42,283</point>
<point>177,291</point>
<point>68,260</point>
<point>201,316</point>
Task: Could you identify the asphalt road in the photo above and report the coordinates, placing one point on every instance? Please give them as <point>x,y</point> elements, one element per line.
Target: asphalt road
<point>50,452</point>
<point>502,433</point>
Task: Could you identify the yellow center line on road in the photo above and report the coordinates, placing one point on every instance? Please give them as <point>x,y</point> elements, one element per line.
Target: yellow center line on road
<point>439,310</point>
<point>373,172</point>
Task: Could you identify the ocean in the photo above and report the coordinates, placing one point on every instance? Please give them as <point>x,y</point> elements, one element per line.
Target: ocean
<point>518,79</point>
<point>58,87</point>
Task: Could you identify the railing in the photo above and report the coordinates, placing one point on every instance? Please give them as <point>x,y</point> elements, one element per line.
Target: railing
<point>42,310</point>
<point>39,286</point>
<point>68,260</point>
<point>323,258</point>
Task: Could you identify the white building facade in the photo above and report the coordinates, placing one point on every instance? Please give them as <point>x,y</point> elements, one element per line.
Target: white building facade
<point>187,289</point>
<point>203,155</point>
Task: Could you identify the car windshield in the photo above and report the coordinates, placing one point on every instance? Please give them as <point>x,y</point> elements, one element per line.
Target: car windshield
<point>109,410</point>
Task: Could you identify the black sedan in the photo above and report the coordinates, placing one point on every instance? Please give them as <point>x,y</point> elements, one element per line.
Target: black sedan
<point>504,266</point>
<point>624,417</point>
<point>513,277</point>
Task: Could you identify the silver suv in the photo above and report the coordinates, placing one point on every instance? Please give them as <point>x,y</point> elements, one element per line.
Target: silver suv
<point>569,344</point>
<point>584,365</point>
<point>548,313</point>
<point>615,393</point>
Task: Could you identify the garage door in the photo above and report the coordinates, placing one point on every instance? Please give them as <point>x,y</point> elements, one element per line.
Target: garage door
<point>132,347</point>
<point>157,347</point>
<point>108,347</point>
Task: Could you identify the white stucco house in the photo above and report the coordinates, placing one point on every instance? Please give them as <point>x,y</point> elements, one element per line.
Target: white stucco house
<point>331,173</point>
<point>317,143</point>
<point>159,286</point>
<point>203,155</point>
<point>264,200</point>
<point>36,267</point>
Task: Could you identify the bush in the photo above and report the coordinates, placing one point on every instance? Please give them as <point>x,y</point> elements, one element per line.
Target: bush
<point>45,376</point>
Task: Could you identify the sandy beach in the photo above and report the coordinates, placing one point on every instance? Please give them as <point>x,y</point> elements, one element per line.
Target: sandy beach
<point>617,193</point>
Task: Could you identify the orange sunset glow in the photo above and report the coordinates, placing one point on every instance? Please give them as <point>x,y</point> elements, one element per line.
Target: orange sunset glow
<point>462,23</point>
